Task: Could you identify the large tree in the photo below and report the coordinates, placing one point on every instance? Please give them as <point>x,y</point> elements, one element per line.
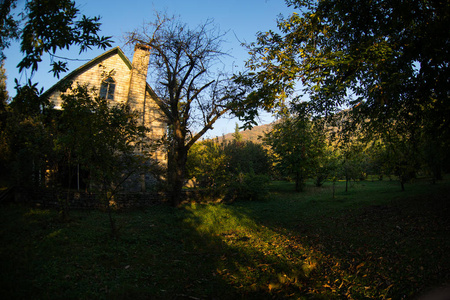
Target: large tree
<point>386,60</point>
<point>193,91</point>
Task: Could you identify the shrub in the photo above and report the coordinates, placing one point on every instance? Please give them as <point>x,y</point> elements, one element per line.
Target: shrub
<point>248,186</point>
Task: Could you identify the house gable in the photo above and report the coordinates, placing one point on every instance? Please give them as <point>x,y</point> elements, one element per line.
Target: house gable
<point>112,63</point>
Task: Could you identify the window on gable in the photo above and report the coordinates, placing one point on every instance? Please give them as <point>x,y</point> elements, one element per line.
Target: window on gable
<point>107,89</point>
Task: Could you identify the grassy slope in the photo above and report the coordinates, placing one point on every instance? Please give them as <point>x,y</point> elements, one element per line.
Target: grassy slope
<point>372,242</point>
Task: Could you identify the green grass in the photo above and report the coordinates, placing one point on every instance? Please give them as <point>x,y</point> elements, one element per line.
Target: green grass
<point>373,242</point>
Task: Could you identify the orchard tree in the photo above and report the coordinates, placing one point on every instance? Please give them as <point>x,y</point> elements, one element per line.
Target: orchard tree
<point>235,170</point>
<point>297,145</point>
<point>246,157</point>
<point>402,155</point>
<point>396,150</point>
<point>206,165</point>
<point>326,166</point>
<point>192,90</point>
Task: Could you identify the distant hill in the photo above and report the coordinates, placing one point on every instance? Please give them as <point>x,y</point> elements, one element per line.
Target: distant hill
<point>254,134</point>
<point>249,135</point>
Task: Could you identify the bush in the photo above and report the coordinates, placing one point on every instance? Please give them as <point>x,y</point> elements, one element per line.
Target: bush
<point>236,169</point>
<point>248,186</point>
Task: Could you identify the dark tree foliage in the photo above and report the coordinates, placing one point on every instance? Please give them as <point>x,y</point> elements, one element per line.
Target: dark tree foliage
<point>46,26</point>
<point>26,138</point>
<point>386,60</point>
<point>101,137</point>
<point>104,139</point>
<point>8,25</point>
<point>27,123</point>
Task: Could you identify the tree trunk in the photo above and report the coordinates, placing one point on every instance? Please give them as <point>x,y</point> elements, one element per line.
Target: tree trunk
<point>298,182</point>
<point>112,222</point>
<point>334,188</point>
<point>176,173</point>
<point>402,183</point>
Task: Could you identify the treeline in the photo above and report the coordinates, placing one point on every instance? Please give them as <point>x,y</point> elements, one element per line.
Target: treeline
<point>300,147</point>
<point>338,147</point>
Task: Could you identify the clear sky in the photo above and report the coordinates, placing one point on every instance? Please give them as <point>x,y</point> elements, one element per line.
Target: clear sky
<point>242,19</point>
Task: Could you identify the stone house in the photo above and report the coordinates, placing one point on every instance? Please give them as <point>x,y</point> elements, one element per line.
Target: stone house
<point>121,81</point>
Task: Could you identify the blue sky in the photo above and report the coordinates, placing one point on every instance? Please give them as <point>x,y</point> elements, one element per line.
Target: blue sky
<point>242,19</point>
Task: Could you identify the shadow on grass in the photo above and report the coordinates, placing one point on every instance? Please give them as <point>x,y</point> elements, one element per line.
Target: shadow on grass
<point>306,246</point>
<point>374,242</point>
<point>264,262</point>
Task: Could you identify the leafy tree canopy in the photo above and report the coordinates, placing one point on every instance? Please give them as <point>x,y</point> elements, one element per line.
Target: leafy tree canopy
<point>298,146</point>
<point>383,59</point>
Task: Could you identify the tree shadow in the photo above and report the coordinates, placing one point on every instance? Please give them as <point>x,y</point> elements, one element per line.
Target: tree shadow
<point>263,262</point>
<point>371,252</point>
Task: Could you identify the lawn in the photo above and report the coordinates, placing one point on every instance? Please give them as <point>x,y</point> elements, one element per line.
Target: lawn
<point>373,242</point>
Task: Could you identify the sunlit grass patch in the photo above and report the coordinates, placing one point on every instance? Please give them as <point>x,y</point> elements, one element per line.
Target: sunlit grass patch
<point>258,259</point>
<point>37,212</point>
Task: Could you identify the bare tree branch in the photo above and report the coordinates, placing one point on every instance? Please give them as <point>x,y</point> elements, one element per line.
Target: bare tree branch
<point>191,92</point>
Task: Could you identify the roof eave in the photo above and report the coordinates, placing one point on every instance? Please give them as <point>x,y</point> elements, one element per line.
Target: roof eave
<point>65,79</point>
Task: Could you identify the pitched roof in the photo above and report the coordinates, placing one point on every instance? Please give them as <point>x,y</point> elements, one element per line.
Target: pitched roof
<point>96,60</point>
<point>87,65</point>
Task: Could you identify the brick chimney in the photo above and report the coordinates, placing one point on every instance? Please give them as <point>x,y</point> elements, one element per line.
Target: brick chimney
<point>138,83</point>
<point>138,80</point>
